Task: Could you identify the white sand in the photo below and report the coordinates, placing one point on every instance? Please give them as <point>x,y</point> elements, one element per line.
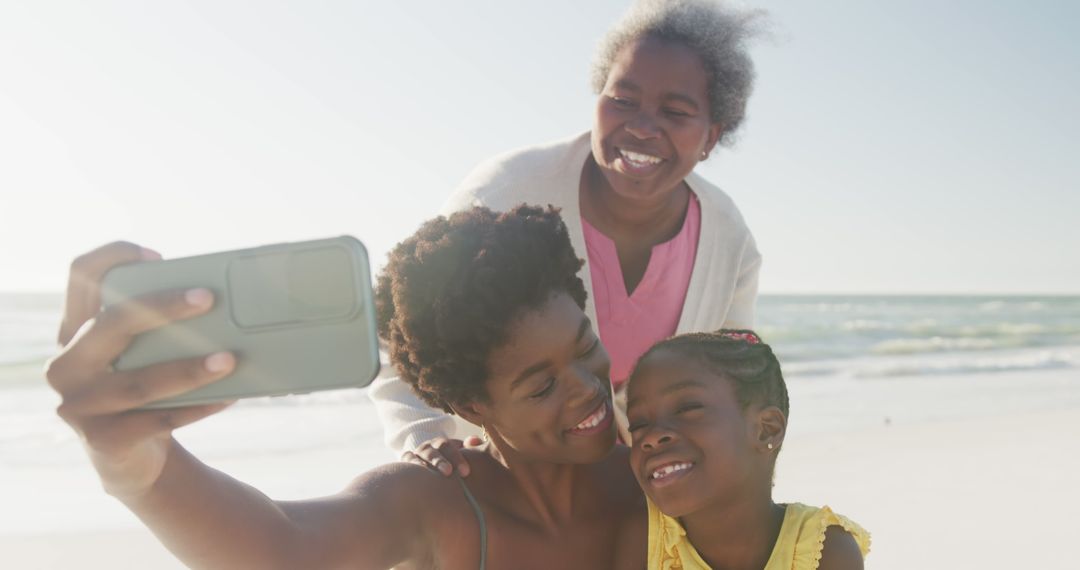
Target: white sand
<point>974,471</point>
<point>134,549</point>
<point>981,493</point>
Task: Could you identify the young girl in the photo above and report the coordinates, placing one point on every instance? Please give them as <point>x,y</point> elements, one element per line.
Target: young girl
<point>708,413</point>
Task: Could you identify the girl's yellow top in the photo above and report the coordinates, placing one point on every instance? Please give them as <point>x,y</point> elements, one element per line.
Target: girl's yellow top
<point>797,548</point>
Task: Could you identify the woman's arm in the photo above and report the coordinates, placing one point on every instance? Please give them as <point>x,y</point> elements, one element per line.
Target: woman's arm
<point>210,520</point>
<point>205,517</point>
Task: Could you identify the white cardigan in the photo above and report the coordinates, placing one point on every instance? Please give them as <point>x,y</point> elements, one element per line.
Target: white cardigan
<point>721,294</point>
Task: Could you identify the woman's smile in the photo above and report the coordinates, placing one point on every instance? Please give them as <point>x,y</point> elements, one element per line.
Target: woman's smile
<point>638,164</point>
<point>596,422</point>
<point>549,390</point>
<point>652,122</point>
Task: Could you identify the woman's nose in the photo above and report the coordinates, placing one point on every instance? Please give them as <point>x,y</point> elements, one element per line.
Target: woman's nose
<point>586,385</point>
<point>643,125</point>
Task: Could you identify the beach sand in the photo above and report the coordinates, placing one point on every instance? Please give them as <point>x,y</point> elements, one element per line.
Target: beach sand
<point>130,549</point>
<point>966,471</point>
<point>991,492</point>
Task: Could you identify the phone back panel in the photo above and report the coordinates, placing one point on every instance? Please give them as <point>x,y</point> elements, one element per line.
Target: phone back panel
<point>299,317</point>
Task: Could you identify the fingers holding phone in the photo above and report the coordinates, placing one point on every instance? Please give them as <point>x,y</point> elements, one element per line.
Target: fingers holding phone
<point>83,299</point>
<point>103,338</point>
<point>280,319</point>
<point>127,446</point>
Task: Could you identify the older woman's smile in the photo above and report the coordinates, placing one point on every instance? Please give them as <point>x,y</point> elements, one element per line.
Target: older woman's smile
<point>637,163</point>
<point>652,122</point>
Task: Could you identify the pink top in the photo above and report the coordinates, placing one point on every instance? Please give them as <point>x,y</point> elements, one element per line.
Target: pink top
<point>629,325</point>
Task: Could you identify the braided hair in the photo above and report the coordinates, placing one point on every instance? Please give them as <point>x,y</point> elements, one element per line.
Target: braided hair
<point>736,354</point>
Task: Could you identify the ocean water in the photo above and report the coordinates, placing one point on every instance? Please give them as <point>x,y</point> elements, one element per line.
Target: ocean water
<point>28,324</point>
<point>845,338</point>
<point>890,336</point>
<point>860,336</point>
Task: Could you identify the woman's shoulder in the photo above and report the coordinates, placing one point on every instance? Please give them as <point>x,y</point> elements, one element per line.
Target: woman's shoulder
<point>544,159</point>
<point>532,174</point>
<point>713,200</point>
<point>406,485</point>
<point>394,513</point>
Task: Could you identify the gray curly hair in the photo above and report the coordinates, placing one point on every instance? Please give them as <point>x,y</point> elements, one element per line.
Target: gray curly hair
<point>717,32</point>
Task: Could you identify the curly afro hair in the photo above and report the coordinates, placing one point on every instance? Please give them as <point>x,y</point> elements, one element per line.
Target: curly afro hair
<point>449,294</point>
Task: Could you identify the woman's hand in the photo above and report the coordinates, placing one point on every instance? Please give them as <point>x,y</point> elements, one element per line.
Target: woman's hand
<point>443,455</point>
<point>128,447</point>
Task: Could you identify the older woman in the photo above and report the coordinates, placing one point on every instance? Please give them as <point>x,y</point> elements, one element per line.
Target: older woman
<point>667,251</point>
<point>483,315</point>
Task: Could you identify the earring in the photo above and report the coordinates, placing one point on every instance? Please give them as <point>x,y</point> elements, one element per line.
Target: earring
<point>704,155</point>
<point>770,446</point>
<point>483,430</point>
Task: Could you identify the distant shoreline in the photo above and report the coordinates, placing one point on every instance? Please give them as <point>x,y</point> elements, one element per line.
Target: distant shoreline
<point>28,373</point>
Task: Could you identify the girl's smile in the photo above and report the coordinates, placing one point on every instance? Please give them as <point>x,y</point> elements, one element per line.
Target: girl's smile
<point>692,443</point>
<point>668,472</point>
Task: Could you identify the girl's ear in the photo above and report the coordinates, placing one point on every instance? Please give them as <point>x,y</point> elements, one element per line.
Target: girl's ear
<point>771,429</point>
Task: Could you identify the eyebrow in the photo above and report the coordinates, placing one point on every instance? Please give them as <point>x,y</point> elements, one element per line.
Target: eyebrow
<point>582,329</point>
<point>682,98</point>
<point>631,86</point>
<point>682,385</point>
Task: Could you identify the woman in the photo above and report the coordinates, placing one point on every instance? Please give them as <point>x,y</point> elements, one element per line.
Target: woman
<point>667,251</point>
<point>483,317</point>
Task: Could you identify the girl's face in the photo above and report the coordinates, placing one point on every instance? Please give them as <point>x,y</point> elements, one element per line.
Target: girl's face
<point>549,395</point>
<point>693,446</point>
<point>652,119</point>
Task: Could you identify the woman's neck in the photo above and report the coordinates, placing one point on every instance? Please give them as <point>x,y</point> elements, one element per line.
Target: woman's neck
<point>736,536</point>
<point>549,493</point>
<point>653,218</point>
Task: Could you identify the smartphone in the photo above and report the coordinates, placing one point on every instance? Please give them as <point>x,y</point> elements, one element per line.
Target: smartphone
<point>298,316</point>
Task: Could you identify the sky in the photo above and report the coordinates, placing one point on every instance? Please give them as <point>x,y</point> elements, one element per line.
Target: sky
<point>909,147</point>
